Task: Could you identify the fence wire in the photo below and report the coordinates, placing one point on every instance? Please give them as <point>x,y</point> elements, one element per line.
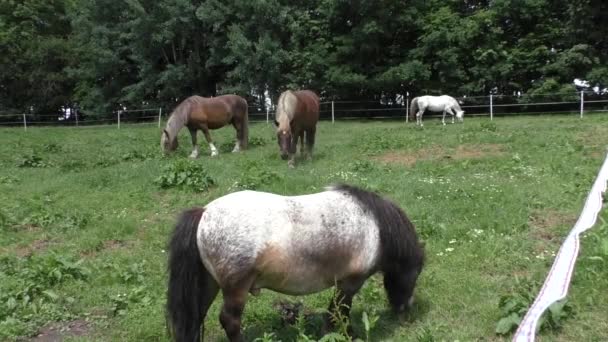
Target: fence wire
<point>492,106</point>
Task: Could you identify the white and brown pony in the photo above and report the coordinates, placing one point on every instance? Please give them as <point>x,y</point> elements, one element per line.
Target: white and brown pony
<point>443,103</point>
<point>296,118</point>
<point>207,113</point>
<point>246,241</point>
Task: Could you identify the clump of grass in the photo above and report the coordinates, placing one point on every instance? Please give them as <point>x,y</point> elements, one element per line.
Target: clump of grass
<point>28,290</point>
<point>186,175</point>
<point>513,307</point>
<point>32,160</point>
<point>255,175</point>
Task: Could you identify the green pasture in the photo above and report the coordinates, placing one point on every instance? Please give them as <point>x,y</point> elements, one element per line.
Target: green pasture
<point>85,215</point>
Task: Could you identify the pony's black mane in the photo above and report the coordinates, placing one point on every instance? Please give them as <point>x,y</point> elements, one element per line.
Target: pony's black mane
<point>397,233</point>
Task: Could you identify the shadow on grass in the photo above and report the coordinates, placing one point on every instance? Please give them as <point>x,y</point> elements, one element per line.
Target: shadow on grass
<point>313,321</point>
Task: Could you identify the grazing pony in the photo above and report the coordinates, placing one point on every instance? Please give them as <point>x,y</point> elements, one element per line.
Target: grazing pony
<point>297,114</point>
<point>248,240</point>
<point>443,103</point>
<point>207,113</point>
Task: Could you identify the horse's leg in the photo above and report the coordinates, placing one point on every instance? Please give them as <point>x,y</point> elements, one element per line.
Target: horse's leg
<point>451,111</point>
<point>205,130</point>
<point>194,153</point>
<point>310,142</point>
<point>293,147</point>
<point>419,118</point>
<point>238,126</point>
<point>301,139</point>
<point>232,310</point>
<point>443,117</point>
<point>339,307</point>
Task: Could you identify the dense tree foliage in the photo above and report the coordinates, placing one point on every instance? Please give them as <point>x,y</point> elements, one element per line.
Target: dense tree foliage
<point>104,53</point>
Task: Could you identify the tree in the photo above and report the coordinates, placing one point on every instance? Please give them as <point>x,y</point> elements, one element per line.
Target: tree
<point>35,48</point>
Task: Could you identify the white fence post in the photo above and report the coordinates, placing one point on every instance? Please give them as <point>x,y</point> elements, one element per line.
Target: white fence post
<point>160,115</point>
<point>491,107</point>
<point>119,119</point>
<point>332,112</point>
<point>582,103</point>
<point>76,116</point>
<point>267,115</point>
<point>24,123</point>
<point>407,108</point>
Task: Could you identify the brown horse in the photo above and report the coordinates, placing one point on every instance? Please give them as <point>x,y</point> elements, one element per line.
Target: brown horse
<point>205,113</point>
<point>297,114</point>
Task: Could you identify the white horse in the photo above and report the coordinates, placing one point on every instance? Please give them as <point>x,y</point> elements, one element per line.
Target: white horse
<point>443,103</point>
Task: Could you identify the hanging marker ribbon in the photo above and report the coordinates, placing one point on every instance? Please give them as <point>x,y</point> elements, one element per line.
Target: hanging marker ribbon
<point>556,285</point>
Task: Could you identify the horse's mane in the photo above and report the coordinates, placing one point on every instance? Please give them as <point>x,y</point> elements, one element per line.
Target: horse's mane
<point>287,105</point>
<point>179,117</point>
<point>398,237</point>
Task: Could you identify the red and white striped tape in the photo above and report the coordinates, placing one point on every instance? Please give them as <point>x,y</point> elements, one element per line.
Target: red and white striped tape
<point>556,285</point>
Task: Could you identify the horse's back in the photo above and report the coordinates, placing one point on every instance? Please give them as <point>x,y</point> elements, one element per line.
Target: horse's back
<point>308,107</point>
<point>272,234</point>
<point>216,112</point>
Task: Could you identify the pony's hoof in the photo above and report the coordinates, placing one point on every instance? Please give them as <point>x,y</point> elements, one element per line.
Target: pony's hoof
<point>193,156</point>
<point>291,165</point>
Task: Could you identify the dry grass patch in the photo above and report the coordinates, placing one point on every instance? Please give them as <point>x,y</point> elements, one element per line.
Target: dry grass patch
<point>467,151</point>
<point>35,247</point>
<point>61,331</point>
<point>543,227</point>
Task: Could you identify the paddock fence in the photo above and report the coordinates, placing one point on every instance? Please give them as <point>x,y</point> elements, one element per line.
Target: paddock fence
<point>576,103</point>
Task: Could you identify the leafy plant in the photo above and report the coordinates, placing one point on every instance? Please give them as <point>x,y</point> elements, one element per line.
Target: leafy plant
<point>369,322</point>
<point>488,126</point>
<point>256,175</point>
<point>8,180</point>
<point>137,156</point>
<point>267,337</point>
<point>51,147</point>
<point>515,305</point>
<point>33,280</point>
<point>257,141</point>
<point>64,221</point>
<point>134,273</point>
<point>121,302</point>
<point>32,160</point>
<point>185,174</point>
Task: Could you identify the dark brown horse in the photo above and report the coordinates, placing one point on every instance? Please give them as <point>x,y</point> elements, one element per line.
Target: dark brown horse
<point>207,113</point>
<point>297,115</point>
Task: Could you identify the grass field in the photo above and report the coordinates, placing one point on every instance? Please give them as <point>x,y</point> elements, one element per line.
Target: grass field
<point>84,224</point>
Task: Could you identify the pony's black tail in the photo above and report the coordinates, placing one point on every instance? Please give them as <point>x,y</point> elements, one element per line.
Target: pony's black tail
<point>413,108</point>
<point>188,280</point>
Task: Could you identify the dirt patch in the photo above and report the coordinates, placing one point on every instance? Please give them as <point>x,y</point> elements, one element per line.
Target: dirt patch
<point>108,245</point>
<point>113,244</point>
<point>437,152</point>
<point>543,228</point>
<point>594,137</point>
<point>595,141</point>
<point>60,331</point>
<point>35,247</point>
<point>543,223</point>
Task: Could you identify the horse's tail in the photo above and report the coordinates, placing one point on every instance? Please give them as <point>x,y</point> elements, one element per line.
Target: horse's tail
<point>413,108</point>
<point>188,280</point>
